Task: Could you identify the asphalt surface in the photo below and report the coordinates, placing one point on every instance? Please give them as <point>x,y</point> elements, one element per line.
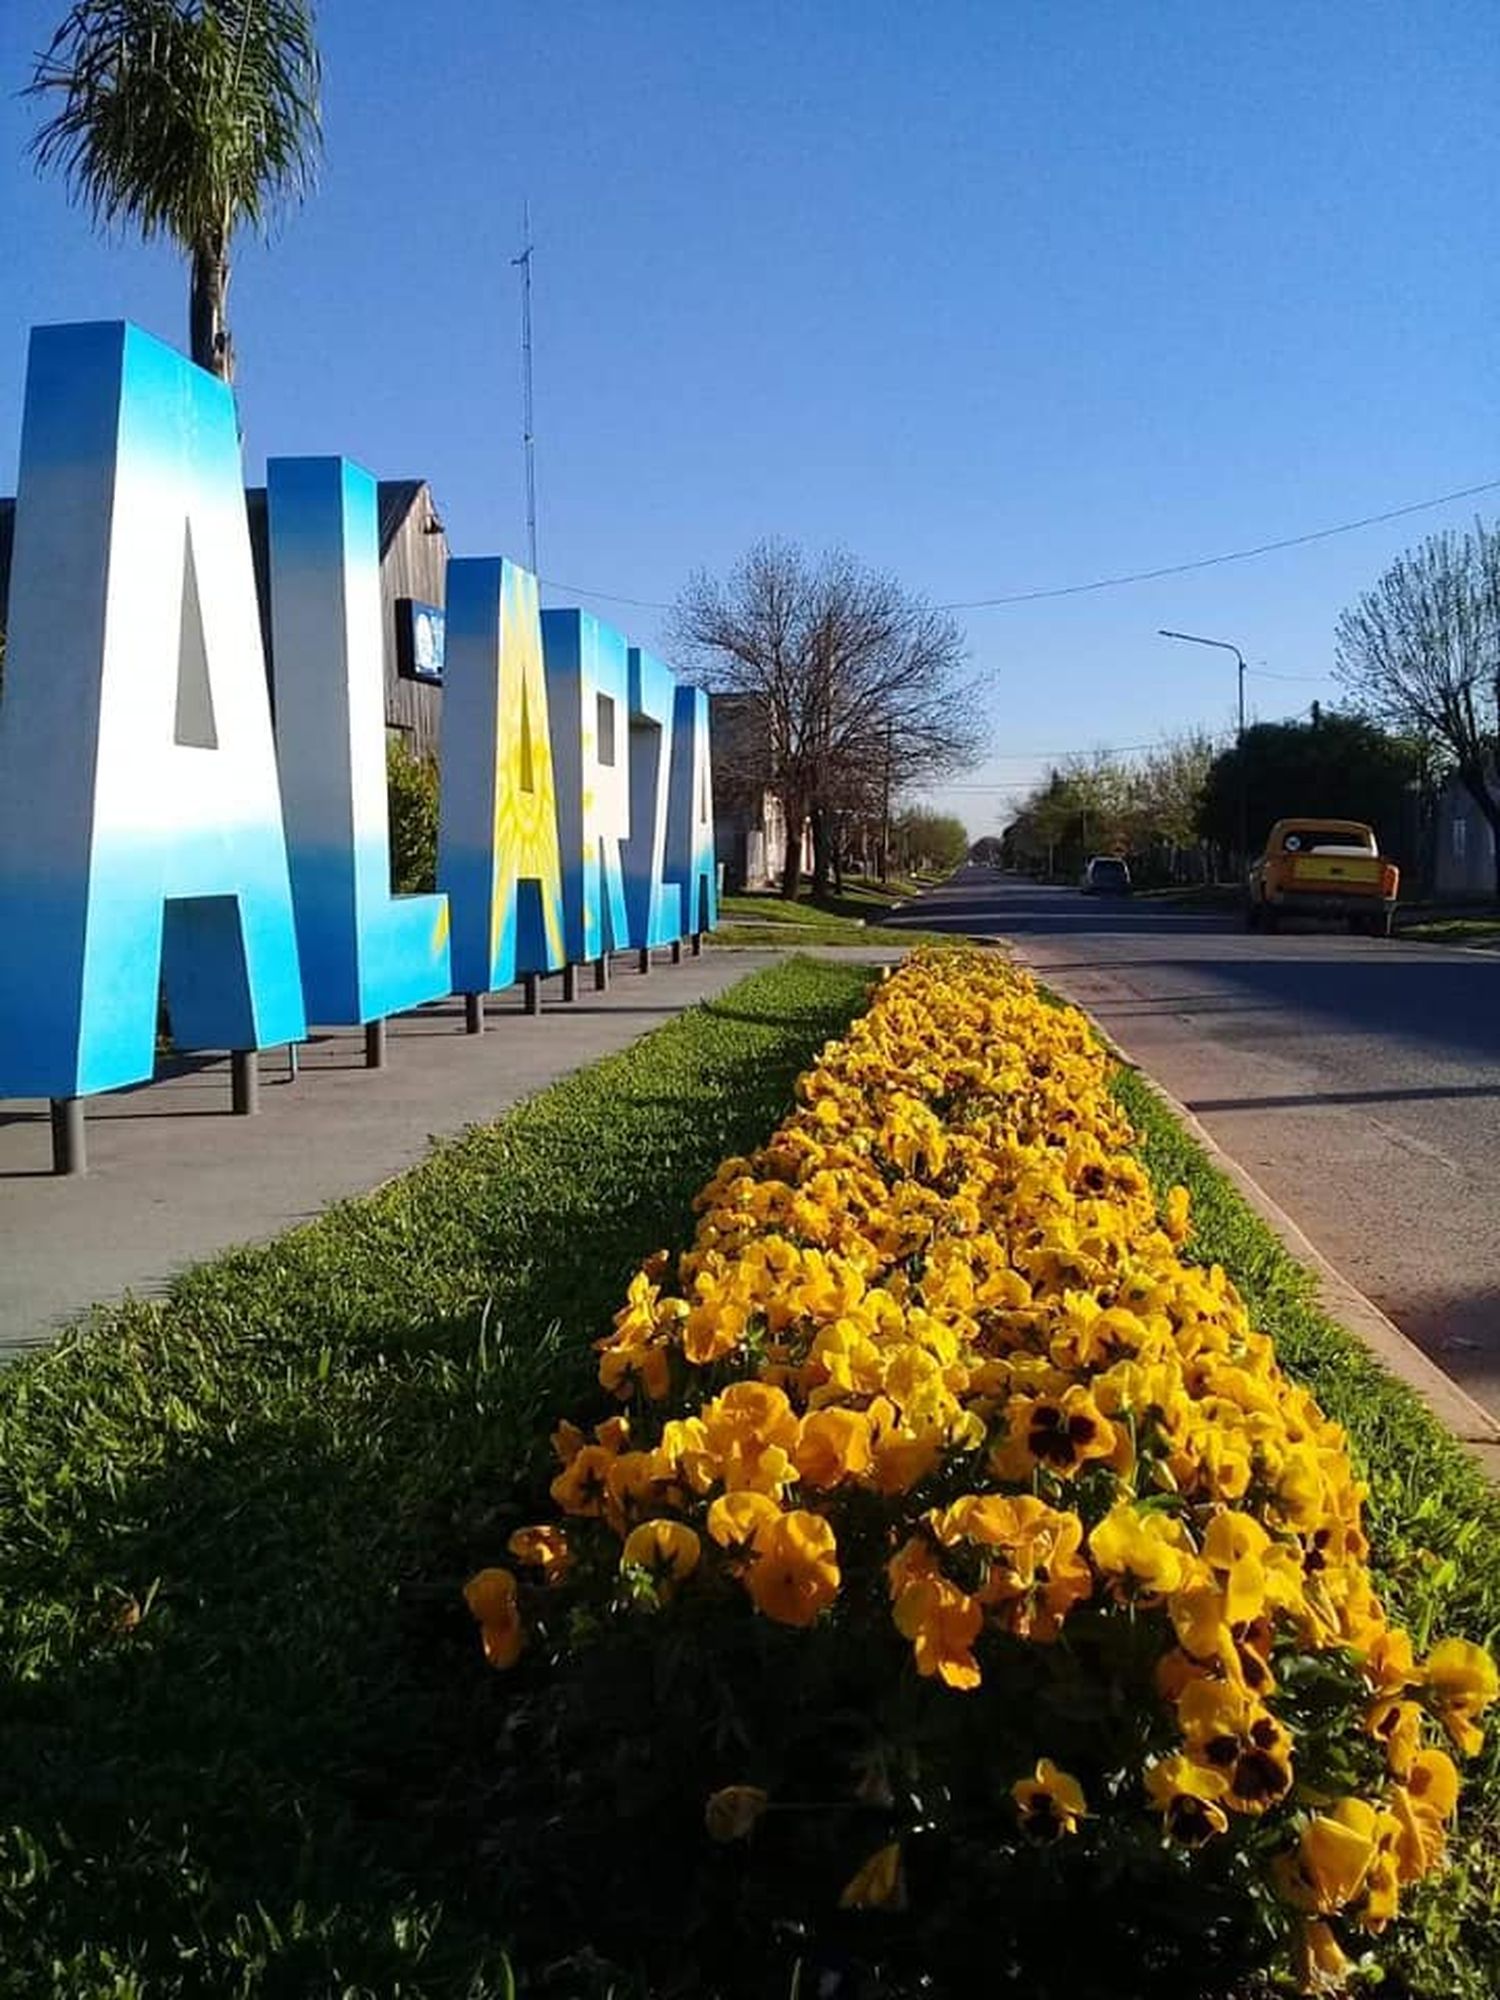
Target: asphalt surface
<point>1357,1079</point>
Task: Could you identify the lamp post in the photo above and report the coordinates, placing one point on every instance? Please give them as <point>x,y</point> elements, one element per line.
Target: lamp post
<point>1224,646</point>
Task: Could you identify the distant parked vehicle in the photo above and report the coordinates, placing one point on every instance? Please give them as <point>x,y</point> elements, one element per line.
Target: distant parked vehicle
<point>1105,875</point>
<point>1323,868</point>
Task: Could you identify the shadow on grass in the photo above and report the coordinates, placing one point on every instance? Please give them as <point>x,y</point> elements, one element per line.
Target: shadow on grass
<point>247,1735</point>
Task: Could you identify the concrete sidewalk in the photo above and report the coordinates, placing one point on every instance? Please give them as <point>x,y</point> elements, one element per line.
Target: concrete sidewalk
<point>174,1177</point>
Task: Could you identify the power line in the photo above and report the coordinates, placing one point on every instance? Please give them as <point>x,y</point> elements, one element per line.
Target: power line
<point>1232,556</point>
<point>1130,576</point>
<point>606,596</point>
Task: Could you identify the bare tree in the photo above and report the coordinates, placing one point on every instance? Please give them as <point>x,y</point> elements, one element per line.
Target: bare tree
<point>1421,653</point>
<point>857,684</point>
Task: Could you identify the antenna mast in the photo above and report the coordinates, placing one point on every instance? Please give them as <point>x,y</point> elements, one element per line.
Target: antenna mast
<point>529,428</point>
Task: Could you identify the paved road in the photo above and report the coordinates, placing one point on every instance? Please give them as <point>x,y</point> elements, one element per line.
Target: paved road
<point>1357,1079</point>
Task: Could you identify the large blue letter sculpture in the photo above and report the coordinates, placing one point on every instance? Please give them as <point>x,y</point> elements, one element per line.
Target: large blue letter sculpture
<point>140,825</point>
<point>690,814</point>
<point>365,952</point>
<point>588,697</point>
<point>498,855</point>
<point>655,904</point>
<point>150,829</point>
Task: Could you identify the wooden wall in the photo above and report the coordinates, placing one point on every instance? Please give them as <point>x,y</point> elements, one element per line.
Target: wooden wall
<point>413,563</point>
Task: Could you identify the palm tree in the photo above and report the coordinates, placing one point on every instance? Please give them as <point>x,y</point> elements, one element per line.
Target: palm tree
<point>187,118</point>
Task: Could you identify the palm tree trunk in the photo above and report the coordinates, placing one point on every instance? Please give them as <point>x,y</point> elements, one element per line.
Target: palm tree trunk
<point>208,329</point>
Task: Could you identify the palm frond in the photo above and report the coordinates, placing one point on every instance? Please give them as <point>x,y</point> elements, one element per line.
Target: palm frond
<point>185,117</point>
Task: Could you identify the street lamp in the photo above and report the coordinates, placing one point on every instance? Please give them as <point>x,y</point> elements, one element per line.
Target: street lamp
<point>1223,646</point>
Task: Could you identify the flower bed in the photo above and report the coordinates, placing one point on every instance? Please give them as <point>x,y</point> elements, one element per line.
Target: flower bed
<point>1079,1574</point>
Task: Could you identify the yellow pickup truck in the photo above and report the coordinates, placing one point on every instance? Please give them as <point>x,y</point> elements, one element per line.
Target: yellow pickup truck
<point>1323,868</point>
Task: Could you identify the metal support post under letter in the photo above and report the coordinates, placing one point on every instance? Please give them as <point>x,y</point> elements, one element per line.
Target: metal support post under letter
<point>375,1044</point>
<point>291,1062</point>
<point>601,973</point>
<point>244,1083</point>
<point>473,1013</point>
<point>69,1152</point>
<point>532,986</point>
<point>570,982</point>
<point>644,958</point>
<point>697,944</point>
<point>677,951</point>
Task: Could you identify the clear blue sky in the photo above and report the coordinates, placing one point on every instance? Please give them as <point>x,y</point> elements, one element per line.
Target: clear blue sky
<point>1000,296</point>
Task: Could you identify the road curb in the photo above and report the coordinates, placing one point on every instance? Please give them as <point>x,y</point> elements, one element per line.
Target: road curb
<point>1343,1302</point>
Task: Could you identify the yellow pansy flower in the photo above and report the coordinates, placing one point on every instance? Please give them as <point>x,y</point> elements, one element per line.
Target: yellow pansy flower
<point>832,1445</point>
<point>738,1520</point>
<point>1230,1731</point>
<point>1050,1803</point>
<point>1061,1433</point>
<point>1318,1961</point>
<point>794,1575</point>
<point>667,1550</point>
<point>1334,1856</point>
<point>1461,1682</point>
<point>1175,1219</point>
<point>582,1487</point>
<point>1187,1796</point>
<point>942,1623</point>
<point>1150,1550</point>
<point>734,1812</point>
<point>877,1884</point>
<point>544,1548</point>
<point>491,1598</point>
<point>1433,1782</point>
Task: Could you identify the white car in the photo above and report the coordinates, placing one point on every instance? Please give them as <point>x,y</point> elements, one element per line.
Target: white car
<point>1105,875</point>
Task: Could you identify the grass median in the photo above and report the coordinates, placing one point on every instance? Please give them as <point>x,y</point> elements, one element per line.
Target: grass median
<point>1482,931</point>
<point>235,1757</point>
<point>851,918</point>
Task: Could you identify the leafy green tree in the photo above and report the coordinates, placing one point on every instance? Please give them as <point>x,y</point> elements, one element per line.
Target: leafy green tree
<point>1167,789</point>
<point>929,841</point>
<point>412,794</point>
<point>1146,809</point>
<point>1048,829</point>
<point>1336,767</point>
<point>188,119</point>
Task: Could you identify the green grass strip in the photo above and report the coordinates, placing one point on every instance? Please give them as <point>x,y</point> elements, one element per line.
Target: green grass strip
<point>243,1749</point>
<point>851,918</point>
<point>1452,930</point>
<point>830,930</point>
<point>1433,1519</point>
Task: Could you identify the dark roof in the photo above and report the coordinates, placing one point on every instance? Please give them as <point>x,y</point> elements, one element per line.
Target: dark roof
<point>395,499</point>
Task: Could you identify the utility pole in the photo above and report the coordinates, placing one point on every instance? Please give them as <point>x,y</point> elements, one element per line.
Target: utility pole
<point>885,812</point>
<point>528,418</point>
